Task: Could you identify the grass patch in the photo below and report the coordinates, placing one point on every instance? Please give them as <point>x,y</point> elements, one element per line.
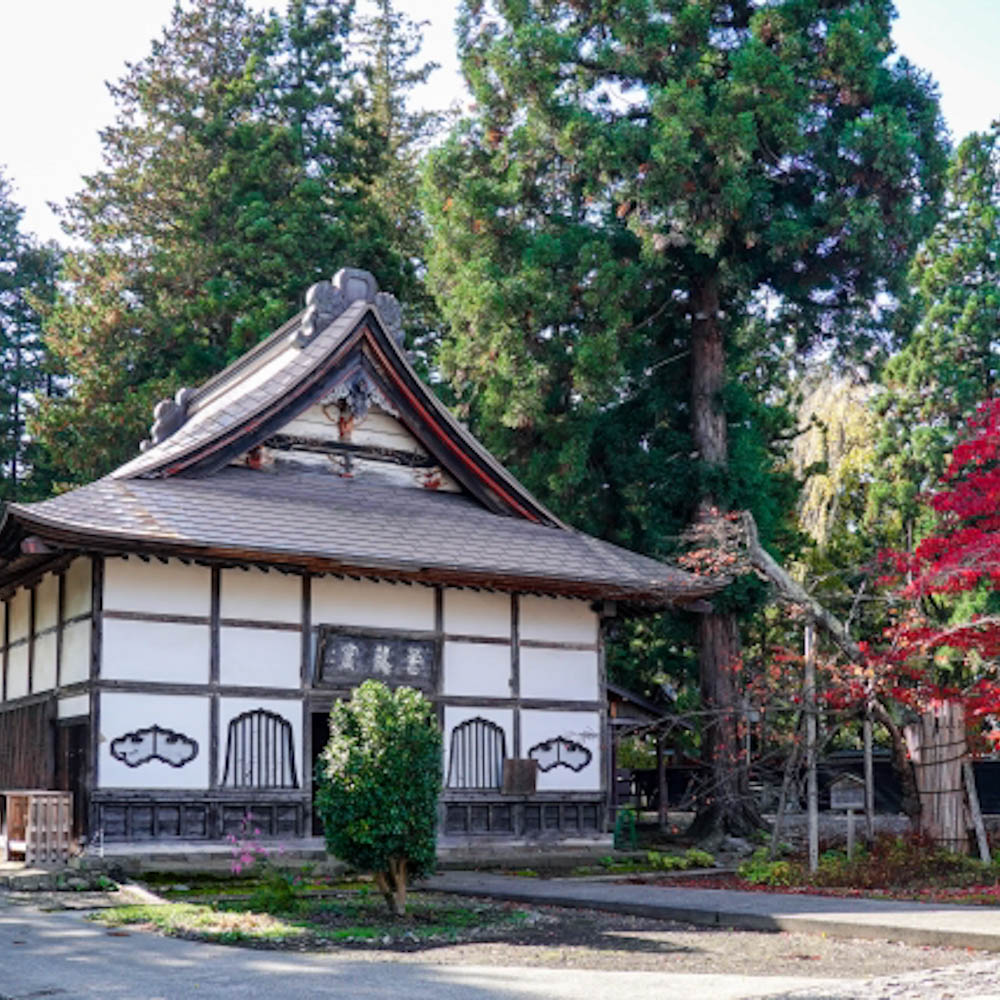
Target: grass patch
<point>347,917</point>
<point>212,887</point>
<point>203,922</point>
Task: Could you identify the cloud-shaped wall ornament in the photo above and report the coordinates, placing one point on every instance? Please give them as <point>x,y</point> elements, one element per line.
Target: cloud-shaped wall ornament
<point>154,743</point>
<point>560,752</point>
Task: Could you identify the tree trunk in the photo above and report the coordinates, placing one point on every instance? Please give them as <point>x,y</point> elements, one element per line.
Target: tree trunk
<point>727,805</point>
<point>938,749</point>
<point>392,885</point>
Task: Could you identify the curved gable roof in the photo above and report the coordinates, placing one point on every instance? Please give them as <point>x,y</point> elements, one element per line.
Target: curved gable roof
<point>184,495</point>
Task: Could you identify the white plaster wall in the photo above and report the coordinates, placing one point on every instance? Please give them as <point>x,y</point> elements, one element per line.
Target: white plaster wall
<point>477,668</point>
<point>46,602</point>
<point>161,588</point>
<point>260,657</point>
<point>559,673</point>
<point>20,613</point>
<point>287,708</point>
<point>155,651</point>
<point>123,713</point>
<point>43,674</point>
<point>313,424</point>
<point>75,705</point>
<point>538,725</point>
<point>76,652</point>
<point>78,587</point>
<point>259,596</point>
<point>454,715</point>
<point>471,612</point>
<point>557,619</point>
<point>372,604</point>
<point>17,671</point>
<point>378,428</point>
<point>381,430</point>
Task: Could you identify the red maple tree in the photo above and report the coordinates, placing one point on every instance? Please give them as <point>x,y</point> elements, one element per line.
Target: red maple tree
<point>944,641</point>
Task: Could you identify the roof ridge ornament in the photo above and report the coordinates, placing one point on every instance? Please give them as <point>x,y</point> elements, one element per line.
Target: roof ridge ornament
<point>168,417</point>
<point>326,300</point>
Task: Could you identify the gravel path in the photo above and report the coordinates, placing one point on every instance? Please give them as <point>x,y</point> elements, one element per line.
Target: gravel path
<point>581,939</point>
<point>977,980</point>
<point>589,940</point>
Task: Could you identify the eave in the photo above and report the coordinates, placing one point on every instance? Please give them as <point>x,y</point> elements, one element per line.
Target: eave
<point>63,543</point>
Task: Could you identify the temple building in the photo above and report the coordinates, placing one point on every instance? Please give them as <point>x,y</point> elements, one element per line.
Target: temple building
<point>175,633</point>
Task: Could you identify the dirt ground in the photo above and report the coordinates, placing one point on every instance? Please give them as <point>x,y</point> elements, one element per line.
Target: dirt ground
<point>555,937</point>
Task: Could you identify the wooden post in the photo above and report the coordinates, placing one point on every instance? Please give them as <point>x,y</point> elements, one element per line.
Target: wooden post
<point>812,786</point>
<point>869,771</point>
<point>975,811</point>
<point>850,834</point>
<point>791,766</point>
<point>661,783</point>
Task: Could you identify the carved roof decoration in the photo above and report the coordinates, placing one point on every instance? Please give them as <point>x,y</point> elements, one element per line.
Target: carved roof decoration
<point>182,494</point>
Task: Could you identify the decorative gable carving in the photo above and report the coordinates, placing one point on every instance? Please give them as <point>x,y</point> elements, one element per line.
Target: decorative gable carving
<point>356,395</point>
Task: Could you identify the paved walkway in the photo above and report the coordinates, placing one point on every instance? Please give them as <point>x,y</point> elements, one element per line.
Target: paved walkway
<point>913,923</point>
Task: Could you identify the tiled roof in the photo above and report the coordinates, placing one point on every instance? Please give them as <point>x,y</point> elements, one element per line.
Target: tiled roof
<point>353,524</point>
<point>182,494</point>
<point>243,390</point>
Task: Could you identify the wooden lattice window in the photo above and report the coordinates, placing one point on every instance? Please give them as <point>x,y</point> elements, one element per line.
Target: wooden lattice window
<point>260,752</point>
<point>475,757</point>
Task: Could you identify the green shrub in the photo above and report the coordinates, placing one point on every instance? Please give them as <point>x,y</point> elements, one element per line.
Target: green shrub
<point>691,858</point>
<point>378,780</point>
<point>279,889</point>
<point>699,859</point>
<point>758,870</point>
<point>664,862</point>
<point>898,862</point>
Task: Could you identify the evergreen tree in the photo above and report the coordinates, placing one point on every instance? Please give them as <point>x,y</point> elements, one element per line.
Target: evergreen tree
<point>234,177</point>
<point>27,280</point>
<point>952,358</point>
<point>396,137</point>
<point>771,169</point>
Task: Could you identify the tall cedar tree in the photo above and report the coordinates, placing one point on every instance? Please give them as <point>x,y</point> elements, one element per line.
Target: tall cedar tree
<point>755,151</point>
<point>27,282</point>
<point>396,137</point>
<point>234,177</point>
<point>951,360</point>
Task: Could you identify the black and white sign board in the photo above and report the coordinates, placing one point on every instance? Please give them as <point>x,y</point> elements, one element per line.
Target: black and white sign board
<point>348,657</point>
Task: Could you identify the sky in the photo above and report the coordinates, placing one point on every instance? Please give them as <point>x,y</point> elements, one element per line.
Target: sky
<point>55,56</point>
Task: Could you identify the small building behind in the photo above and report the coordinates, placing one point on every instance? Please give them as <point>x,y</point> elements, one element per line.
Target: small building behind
<point>174,634</point>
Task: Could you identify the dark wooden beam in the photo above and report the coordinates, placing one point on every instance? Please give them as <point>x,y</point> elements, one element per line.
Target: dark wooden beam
<point>213,677</point>
<point>515,670</point>
<point>96,636</point>
<point>60,624</point>
<point>32,601</point>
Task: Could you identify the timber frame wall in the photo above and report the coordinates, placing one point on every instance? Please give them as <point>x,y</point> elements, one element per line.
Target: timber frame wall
<point>212,811</point>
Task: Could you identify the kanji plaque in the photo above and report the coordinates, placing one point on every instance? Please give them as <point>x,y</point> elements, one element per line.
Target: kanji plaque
<point>347,658</point>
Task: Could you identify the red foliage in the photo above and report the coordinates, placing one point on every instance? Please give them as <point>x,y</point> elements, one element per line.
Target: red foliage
<point>962,556</point>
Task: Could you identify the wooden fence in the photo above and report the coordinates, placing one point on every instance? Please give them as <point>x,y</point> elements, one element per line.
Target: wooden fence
<point>37,825</point>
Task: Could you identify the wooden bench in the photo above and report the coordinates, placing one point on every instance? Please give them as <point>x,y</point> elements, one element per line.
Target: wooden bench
<point>36,825</point>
